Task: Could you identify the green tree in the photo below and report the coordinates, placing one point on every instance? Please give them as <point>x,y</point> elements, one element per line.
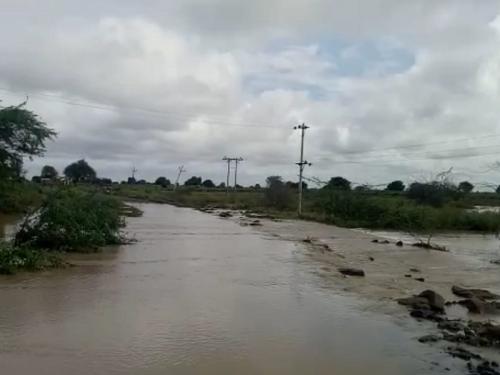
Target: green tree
<point>498,189</point>
<point>162,181</point>
<point>80,171</point>
<point>465,187</point>
<point>277,193</point>
<point>49,171</point>
<point>22,134</point>
<point>208,184</point>
<point>193,181</point>
<point>395,186</point>
<point>338,183</point>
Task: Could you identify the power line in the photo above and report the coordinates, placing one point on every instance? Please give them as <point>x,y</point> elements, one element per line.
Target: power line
<point>151,112</point>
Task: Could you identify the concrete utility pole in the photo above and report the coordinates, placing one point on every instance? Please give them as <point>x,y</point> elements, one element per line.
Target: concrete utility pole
<point>302,162</point>
<point>134,170</point>
<point>181,170</point>
<point>228,160</point>
<point>236,160</point>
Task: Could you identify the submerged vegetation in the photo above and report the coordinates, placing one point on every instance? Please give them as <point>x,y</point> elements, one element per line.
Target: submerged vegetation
<point>72,220</point>
<point>16,258</point>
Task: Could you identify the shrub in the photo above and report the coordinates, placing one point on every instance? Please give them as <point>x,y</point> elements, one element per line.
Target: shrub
<point>72,220</point>
<point>13,259</point>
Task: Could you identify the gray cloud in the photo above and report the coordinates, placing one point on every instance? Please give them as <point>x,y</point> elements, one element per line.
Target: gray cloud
<point>160,84</point>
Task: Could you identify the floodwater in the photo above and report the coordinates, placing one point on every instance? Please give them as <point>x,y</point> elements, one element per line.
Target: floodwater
<point>200,295</point>
<point>476,249</point>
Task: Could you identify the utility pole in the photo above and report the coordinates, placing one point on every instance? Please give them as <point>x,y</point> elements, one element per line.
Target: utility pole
<point>228,160</point>
<point>181,170</point>
<point>134,170</point>
<point>302,162</point>
<point>236,160</point>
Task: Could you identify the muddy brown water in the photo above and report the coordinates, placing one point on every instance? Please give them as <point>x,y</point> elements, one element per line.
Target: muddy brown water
<point>200,295</point>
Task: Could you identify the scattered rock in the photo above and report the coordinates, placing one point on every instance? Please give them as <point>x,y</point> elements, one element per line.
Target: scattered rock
<point>351,271</point>
<point>435,300</point>
<point>429,338</point>
<point>371,259</point>
<point>375,240</point>
<point>416,270</point>
<point>326,247</point>
<point>407,275</point>
<point>474,305</point>
<point>469,293</point>
<point>399,243</point>
<point>451,325</point>
<point>256,223</point>
<point>307,240</point>
<point>421,279</point>
<point>385,241</point>
<point>458,352</point>
<point>429,246</point>
<point>497,262</point>
<point>225,214</point>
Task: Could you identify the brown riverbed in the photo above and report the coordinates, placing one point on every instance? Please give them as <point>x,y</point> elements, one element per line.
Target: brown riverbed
<point>202,295</point>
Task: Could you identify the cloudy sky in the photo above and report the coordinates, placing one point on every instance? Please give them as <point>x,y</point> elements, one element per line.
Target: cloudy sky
<point>390,88</point>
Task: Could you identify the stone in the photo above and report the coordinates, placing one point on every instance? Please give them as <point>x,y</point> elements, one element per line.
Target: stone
<point>421,279</point>
<point>399,243</point>
<point>352,271</point>
<point>429,338</point>
<point>435,300</point>
<point>469,293</point>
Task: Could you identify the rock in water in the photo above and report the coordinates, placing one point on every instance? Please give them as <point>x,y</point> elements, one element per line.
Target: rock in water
<point>399,243</point>
<point>469,293</point>
<point>351,271</point>
<point>435,300</point>
<point>429,338</point>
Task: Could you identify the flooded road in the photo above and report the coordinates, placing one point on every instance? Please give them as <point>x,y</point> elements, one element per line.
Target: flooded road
<point>200,295</point>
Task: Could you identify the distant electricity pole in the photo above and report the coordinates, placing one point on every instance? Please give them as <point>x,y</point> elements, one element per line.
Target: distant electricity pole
<point>302,162</point>
<point>181,170</point>
<point>236,160</point>
<point>229,160</point>
<point>134,171</point>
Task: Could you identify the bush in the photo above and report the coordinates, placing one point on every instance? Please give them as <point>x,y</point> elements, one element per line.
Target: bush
<point>13,259</point>
<point>433,193</point>
<point>72,220</point>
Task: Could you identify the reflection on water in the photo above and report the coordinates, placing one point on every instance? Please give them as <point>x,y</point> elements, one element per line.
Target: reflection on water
<point>7,225</point>
<point>198,295</point>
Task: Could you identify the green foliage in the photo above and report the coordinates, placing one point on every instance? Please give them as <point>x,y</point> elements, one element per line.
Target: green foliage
<point>13,259</point>
<point>17,197</point>
<point>72,220</point>
<point>193,181</point>
<point>80,171</point>
<point>49,171</point>
<point>391,212</point>
<point>277,193</point>
<point>162,181</point>
<point>465,187</point>
<point>208,184</point>
<point>433,193</point>
<point>395,186</point>
<point>21,134</point>
<point>338,183</point>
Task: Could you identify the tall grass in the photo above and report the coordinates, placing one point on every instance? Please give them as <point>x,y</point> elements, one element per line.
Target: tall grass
<point>14,259</point>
